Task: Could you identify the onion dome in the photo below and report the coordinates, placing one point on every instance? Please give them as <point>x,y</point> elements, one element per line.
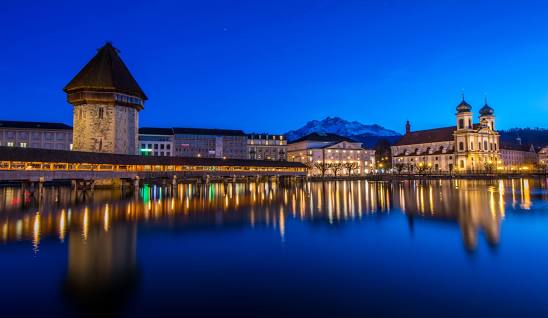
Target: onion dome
<point>486,110</point>
<point>464,107</point>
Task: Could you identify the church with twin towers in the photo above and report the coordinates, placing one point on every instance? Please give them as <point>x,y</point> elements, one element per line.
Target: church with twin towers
<point>465,147</point>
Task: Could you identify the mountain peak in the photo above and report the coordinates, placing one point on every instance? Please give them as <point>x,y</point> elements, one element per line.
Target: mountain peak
<point>342,127</point>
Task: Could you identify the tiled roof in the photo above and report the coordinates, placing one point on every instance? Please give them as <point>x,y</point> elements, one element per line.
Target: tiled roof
<point>156,131</point>
<point>63,156</point>
<point>106,72</point>
<point>324,137</point>
<point>517,147</point>
<point>33,125</point>
<point>427,136</point>
<point>205,131</point>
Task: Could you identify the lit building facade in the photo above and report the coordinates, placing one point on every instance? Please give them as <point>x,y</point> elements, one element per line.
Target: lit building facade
<point>210,143</point>
<point>323,149</point>
<point>267,147</point>
<point>518,157</point>
<point>35,135</point>
<point>156,142</point>
<point>464,147</point>
<point>543,157</point>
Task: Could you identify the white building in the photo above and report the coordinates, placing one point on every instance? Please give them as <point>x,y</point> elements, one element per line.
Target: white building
<point>518,157</point>
<point>322,149</point>
<point>267,147</point>
<point>35,135</point>
<point>156,142</point>
<point>543,157</point>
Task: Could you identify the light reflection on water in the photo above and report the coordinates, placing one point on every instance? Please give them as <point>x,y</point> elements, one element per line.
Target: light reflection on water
<point>101,229</point>
<point>473,204</point>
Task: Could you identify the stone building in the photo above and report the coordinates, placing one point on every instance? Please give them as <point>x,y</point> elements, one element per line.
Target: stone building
<point>518,157</point>
<point>35,135</point>
<point>464,147</point>
<point>267,147</point>
<point>107,101</point>
<point>323,149</point>
<point>543,157</point>
<point>156,142</point>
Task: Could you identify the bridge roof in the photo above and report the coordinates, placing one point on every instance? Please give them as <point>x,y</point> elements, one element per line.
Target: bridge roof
<point>64,156</point>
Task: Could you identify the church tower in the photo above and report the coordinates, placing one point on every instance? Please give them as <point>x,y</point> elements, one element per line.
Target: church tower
<point>487,116</point>
<point>106,100</point>
<point>464,115</point>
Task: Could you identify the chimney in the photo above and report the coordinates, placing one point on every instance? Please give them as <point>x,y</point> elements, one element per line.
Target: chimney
<point>407,127</point>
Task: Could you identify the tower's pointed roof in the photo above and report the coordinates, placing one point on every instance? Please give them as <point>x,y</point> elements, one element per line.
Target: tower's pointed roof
<point>106,72</point>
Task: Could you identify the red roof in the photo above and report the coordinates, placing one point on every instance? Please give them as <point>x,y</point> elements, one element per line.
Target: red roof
<point>427,136</point>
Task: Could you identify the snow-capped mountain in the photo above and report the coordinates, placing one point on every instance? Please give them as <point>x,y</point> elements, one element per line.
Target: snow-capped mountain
<point>339,126</point>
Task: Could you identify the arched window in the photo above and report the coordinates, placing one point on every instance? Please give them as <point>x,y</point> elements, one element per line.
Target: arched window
<point>485,145</point>
<point>461,145</point>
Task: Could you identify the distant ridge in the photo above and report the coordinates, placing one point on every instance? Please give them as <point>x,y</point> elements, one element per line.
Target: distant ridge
<point>369,135</point>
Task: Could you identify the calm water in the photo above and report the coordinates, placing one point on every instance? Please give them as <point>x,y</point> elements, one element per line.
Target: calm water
<point>415,248</point>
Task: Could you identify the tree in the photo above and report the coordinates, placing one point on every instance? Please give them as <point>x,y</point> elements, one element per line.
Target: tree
<point>322,167</point>
<point>421,167</point>
<point>489,166</point>
<point>335,167</point>
<point>350,166</point>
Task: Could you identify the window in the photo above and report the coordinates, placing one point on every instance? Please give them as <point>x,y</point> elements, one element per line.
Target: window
<point>168,147</point>
<point>461,146</point>
<point>101,112</point>
<point>469,123</point>
<point>479,145</point>
<point>155,146</point>
<point>485,145</point>
<point>461,123</point>
<point>162,146</point>
<point>23,144</point>
<point>471,145</point>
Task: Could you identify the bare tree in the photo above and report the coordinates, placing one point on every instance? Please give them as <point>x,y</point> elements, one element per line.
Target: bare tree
<point>335,168</point>
<point>350,167</point>
<point>322,167</point>
<point>399,167</point>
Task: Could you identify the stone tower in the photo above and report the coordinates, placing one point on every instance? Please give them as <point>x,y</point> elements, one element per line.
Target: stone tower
<point>107,101</point>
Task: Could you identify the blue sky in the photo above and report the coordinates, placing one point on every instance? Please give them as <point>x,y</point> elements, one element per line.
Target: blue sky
<point>270,66</point>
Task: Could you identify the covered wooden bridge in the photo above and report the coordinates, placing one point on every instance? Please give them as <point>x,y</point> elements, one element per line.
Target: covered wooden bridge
<point>32,165</point>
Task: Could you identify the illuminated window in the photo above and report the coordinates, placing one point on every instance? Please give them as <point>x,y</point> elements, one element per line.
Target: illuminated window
<point>23,144</point>
<point>101,112</point>
<point>10,144</point>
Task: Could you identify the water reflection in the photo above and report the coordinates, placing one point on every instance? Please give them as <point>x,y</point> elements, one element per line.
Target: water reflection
<point>475,205</point>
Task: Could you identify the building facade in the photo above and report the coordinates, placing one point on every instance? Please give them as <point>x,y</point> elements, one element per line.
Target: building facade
<point>267,147</point>
<point>464,147</point>
<point>106,102</point>
<point>35,135</point>
<point>517,157</point>
<point>543,158</point>
<point>318,151</point>
<point>156,142</point>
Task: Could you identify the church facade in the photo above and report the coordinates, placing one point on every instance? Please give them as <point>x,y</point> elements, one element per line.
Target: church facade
<point>465,147</point>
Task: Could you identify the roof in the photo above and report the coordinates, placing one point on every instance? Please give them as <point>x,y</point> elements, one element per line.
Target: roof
<point>205,131</point>
<point>324,137</point>
<point>156,131</point>
<point>64,156</point>
<point>427,136</point>
<point>516,147</point>
<point>106,72</point>
<point>463,106</point>
<point>33,125</point>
